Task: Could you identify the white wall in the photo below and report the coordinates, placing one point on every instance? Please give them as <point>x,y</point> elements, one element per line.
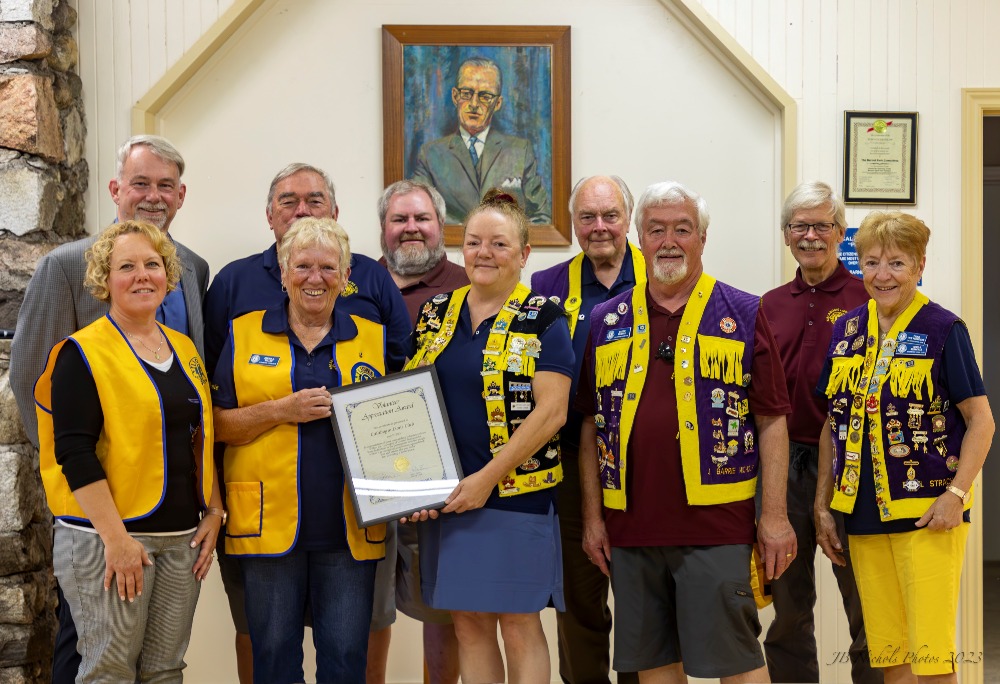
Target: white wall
<point>635,71</point>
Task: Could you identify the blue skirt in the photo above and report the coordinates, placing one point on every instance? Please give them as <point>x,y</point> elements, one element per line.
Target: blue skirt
<point>492,561</point>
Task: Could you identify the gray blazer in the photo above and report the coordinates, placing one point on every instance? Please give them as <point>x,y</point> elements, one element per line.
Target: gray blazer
<point>56,305</point>
<point>508,163</point>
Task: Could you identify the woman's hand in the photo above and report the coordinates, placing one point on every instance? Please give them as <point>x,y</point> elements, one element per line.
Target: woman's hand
<point>420,516</point>
<point>307,405</point>
<point>827,537</point>
<point>944,514</point>
<point>470,493</point>
<point>207,535</point>
<point>124,558</point>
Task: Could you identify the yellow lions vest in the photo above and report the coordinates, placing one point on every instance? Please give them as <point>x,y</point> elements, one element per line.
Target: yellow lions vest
<point>131,445</point>
<point>262,487</point>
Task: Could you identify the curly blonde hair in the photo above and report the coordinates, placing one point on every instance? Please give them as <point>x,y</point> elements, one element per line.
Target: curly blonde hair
<point>99,256</point>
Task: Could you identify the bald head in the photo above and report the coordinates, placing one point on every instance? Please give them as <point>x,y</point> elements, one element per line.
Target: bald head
<point>601,207</point>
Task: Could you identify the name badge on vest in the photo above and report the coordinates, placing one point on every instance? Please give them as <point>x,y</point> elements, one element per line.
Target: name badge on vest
<point>264,360</point>
<point>618,334</point>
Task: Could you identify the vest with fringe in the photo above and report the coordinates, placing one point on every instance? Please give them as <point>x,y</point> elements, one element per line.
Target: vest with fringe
<point>890,395</point>
<point>262,478</point>
<point>131,447</point>
<point>713,355</point>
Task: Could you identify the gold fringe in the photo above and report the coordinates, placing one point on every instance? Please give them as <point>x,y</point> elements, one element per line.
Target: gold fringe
<point>845,374</point>
<point>721,359</point>
<point>611,361</point>
<point>905,378</point>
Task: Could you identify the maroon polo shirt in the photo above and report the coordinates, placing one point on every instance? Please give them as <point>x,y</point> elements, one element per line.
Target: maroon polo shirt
<point>444,277</point>
<point>801,317</point>
<point>657,512</point>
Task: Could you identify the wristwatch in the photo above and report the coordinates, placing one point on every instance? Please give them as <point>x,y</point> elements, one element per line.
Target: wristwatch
<point>221,512</point>
<point>964,496</point>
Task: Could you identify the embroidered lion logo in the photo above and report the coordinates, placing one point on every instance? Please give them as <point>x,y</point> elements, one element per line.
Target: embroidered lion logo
<point>833,314</point>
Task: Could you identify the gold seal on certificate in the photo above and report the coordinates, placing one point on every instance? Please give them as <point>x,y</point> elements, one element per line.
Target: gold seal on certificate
<point>395,444</point>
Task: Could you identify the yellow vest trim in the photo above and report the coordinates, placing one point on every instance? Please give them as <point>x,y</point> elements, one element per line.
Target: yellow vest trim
<point>262,488</point>
<point>717,356</point>
<point>848,373</point>
<point>133,422</point>
<point>575,297</point>
<point>502,349</point>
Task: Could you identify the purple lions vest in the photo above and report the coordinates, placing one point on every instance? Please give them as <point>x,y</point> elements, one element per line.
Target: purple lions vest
<point>890,395</point>
<point>718,440</point>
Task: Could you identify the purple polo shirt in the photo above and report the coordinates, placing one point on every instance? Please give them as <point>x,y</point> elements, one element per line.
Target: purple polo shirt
<point>445,277</point>
<point>801,317</point>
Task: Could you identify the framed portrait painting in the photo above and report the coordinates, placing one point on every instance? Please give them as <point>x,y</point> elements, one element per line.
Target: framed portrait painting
<point>470,108</point>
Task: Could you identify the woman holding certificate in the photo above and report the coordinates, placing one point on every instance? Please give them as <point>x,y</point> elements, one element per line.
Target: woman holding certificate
<point>125,432</point>
<point>910,427</point>
<point>504,360</point>
<point>289,524</point>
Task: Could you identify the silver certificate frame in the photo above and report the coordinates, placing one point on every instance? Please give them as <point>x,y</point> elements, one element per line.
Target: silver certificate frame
<point>395,444</point>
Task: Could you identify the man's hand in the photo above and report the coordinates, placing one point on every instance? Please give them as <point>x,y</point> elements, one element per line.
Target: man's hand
<point>596,545</point>
<point>777,543</point>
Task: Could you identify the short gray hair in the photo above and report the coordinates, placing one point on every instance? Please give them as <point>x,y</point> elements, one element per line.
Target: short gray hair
<point>309,231</point>
<point>293,169</point>
<point>159,146</point>
<point>810,195</point>
<point>405,187</point>
<point>671,192</point>
<point>484,63</point>
<point>622,188</point>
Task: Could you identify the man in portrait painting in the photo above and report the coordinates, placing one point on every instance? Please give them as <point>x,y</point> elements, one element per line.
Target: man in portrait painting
<point>465,164</point>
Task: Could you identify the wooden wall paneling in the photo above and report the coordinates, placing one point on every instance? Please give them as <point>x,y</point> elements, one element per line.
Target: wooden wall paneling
<point>175,32</point>
<point>122,59</point>
<point>973,43</point>
<point>776,43</point>
<point>793,50</point>
<point>744,25</point>
<point>209,14</point>
<point>106,44</point>
<point>156,12</point>
<point>760,35</point>
<point>908,54</point>
<point>811,46</point>
<point>191,22</point>
<point>140,28</point>
<point>828,114</point>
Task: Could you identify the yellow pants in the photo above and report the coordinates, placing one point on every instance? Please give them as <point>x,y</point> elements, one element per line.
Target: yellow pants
<point>909,584</point>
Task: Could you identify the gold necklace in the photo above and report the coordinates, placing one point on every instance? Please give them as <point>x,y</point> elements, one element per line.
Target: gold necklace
<point>154,352</point>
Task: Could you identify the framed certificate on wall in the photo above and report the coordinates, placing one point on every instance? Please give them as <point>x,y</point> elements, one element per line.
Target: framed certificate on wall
<point>880,157</point>
<point>395,444</point>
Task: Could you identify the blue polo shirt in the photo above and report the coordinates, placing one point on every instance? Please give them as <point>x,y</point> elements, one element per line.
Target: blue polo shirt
<point>254,283</point>
<point>459,367</point>
<point>321,474</point>
<point>592,292</point>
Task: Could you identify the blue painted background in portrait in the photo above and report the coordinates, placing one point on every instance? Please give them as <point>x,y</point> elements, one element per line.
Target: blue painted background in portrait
<point>429,73</point>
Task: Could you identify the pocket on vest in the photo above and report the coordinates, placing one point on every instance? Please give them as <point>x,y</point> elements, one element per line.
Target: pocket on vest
<point>246,507</point>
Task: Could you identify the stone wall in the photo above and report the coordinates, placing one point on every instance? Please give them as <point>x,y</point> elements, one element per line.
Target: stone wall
<point>43,177</point>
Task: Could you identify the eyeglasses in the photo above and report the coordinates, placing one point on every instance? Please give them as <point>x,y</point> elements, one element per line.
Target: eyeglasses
<point>485,97</point>
<point>803,228</point>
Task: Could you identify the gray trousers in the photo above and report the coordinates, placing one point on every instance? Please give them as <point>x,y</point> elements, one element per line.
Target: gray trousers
<point>122,642</point>
<point>790,644</point>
